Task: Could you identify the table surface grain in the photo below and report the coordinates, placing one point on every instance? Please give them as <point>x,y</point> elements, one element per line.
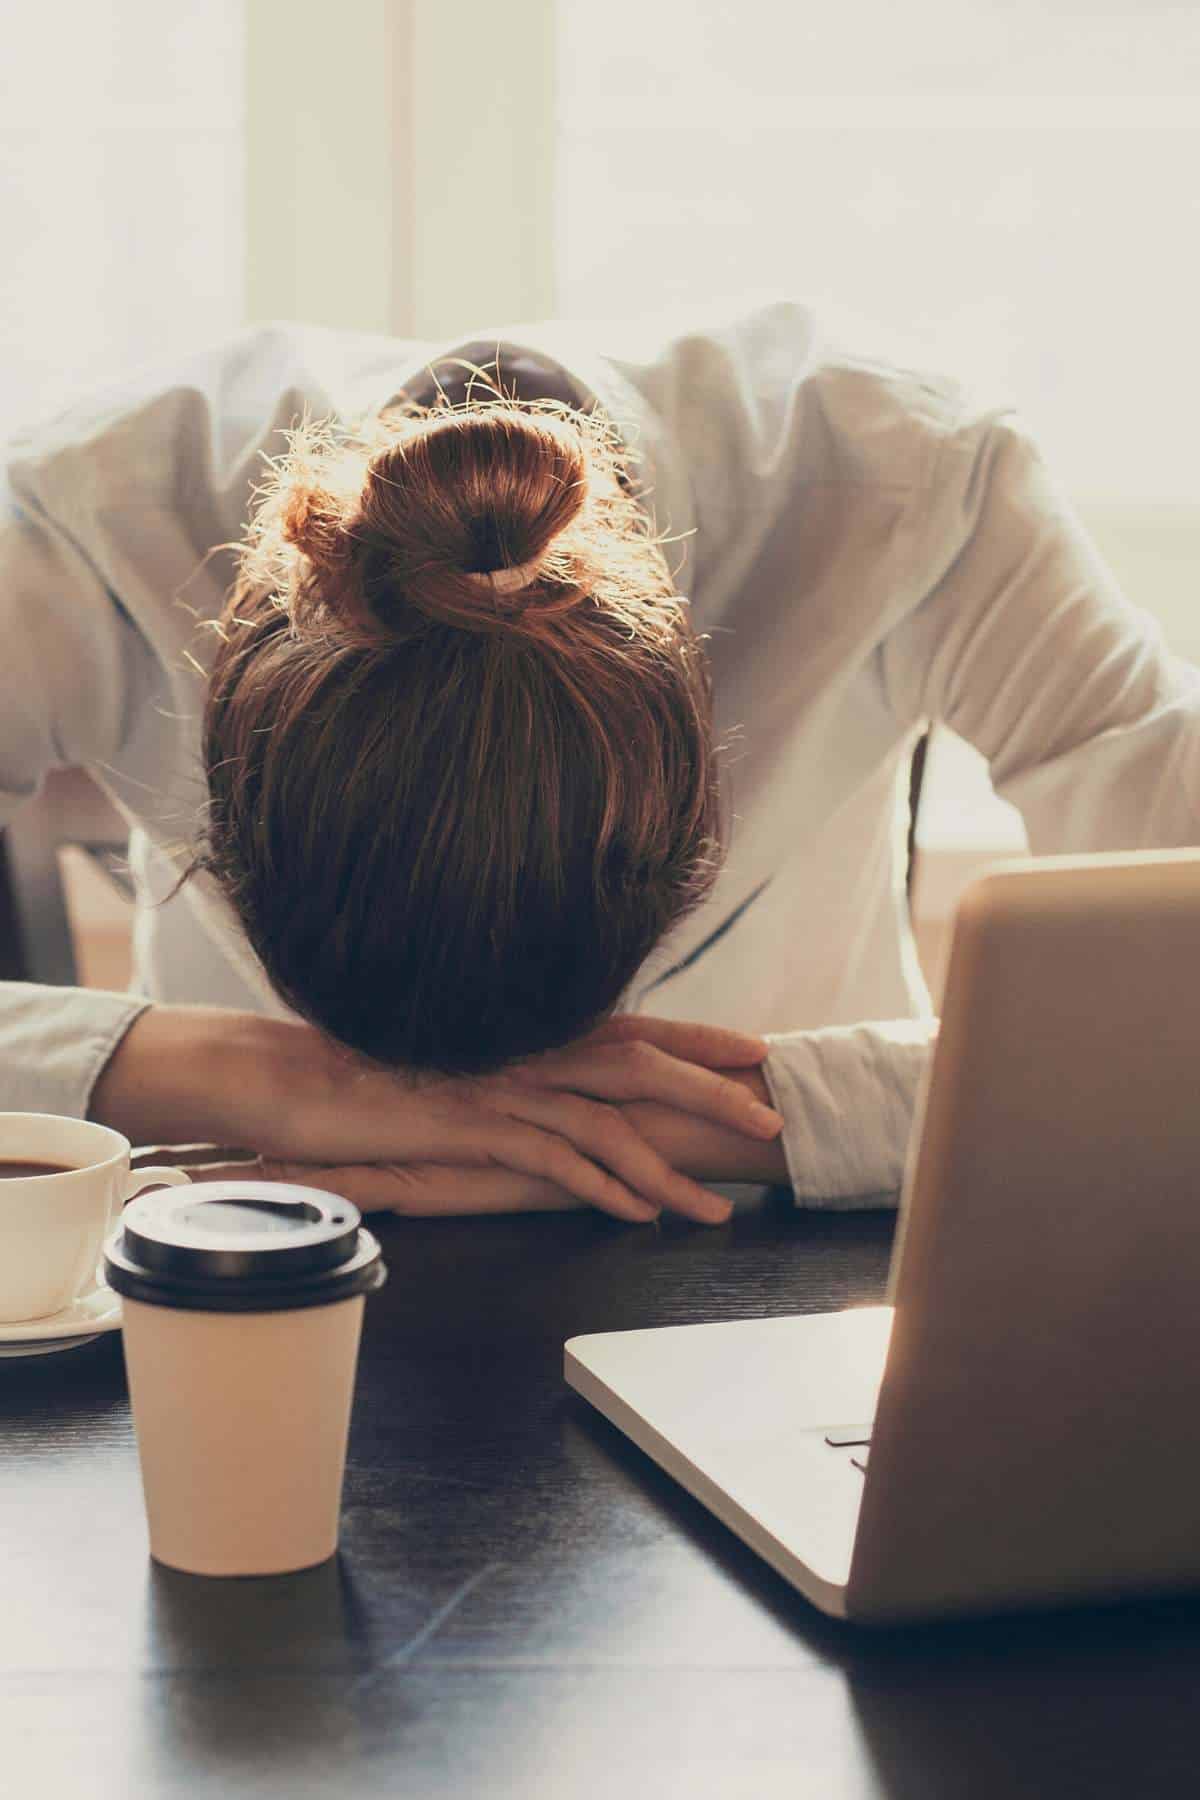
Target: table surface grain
<point>523,1604</point>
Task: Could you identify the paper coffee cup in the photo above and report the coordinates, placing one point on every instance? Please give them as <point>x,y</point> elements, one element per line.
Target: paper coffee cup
<point>52,1227</point>
<point>243,1304</point>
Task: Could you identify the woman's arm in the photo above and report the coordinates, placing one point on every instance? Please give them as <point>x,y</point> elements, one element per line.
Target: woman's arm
<point>1025,645</point>
<point>68,657</point>
<point>697,1147</point>
<point>694,1146</point>
<point>847,1096</point>
<point>280,1089</point>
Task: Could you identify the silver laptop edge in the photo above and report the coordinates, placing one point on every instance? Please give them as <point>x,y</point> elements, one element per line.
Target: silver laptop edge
<point>1036,1436</point>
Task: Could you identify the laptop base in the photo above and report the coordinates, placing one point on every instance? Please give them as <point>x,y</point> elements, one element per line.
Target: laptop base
<point>738,1413</point>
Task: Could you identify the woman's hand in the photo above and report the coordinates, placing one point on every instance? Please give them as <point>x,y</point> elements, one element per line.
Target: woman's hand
<point>695,1146</point>
<point>281,1089</point>
<point>556,1119</point>
<point>414,1190</point>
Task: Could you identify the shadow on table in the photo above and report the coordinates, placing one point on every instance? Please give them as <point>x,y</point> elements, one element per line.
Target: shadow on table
<point>1095,1702</point>
<point>311,1621</point>
<point>77,1389</point>
<point>1092,1701</point>
<point>254,1673</point>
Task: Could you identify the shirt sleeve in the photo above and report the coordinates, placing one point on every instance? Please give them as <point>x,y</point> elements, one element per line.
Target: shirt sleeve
<point>55,1041</point>
<point>1025,645</point>
<point>847,1095</point>
<point>63,697</point>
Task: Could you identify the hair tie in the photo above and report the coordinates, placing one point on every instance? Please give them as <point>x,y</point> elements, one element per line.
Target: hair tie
<point>506,581</point>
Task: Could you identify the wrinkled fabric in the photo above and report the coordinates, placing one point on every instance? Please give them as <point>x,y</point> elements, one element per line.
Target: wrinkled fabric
<point>864,547</point>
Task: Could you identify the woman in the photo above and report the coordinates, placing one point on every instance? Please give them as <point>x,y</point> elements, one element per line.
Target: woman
<point>515,722</point>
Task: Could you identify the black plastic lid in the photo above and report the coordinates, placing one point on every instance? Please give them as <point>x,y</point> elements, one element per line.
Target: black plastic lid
<point>242,1246</point>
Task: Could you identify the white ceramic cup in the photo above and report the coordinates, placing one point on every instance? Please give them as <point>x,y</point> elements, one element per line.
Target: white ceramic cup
<point>52,1227</point>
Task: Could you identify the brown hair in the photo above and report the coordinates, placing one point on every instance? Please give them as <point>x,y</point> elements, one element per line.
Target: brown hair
<point>454,813</point>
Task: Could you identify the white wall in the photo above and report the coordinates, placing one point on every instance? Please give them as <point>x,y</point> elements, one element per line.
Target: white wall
<point>120,190</point>
<point>400,164</point>
<point>169,171</point>
<point>1008,194</point>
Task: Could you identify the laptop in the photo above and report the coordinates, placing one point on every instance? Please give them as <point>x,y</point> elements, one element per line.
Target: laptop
<point>1020,1425</point>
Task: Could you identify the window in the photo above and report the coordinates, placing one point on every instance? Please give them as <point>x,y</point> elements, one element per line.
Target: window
<point>1007,194</point>
<point>120,192</point>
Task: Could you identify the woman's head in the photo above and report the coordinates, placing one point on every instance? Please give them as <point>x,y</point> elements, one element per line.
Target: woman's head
<point>457,734</point>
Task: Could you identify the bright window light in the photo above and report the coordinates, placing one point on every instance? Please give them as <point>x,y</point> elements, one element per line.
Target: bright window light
<point>1004,194</point>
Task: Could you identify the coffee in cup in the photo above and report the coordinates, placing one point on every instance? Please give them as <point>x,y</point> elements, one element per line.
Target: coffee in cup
<point>63,1183</point>
<point>243,1304</point>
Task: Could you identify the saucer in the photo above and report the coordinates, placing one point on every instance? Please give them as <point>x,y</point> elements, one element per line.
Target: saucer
<point>80,1323</point>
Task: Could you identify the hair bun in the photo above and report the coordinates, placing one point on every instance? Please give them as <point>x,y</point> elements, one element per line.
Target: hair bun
<point>468,511</point>
<point>508,580</point>
<point>486,517</point>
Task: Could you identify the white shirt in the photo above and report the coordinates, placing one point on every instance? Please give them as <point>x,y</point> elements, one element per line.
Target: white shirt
<point>864,547</point>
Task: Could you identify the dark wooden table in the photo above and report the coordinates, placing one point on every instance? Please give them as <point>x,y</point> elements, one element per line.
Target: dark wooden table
<point>523,1605</point>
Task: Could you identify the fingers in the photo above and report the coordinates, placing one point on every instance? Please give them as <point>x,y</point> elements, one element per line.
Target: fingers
<point>714,1046</point>
<point>609,1140</point>
<point>636,1070</point>
<point>245,1169</point>
<point>434,1190</point>
<point>428,1190</point>
<point>548,1154</point>
<point>520,1158</point>
<point>537,1164</point>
